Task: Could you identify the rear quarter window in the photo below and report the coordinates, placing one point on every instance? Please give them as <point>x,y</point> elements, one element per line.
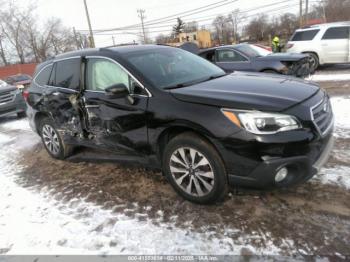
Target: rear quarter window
<point>305,35</point>
<point>337,33</point>
<point>42,77</point>
<point>67,73</point>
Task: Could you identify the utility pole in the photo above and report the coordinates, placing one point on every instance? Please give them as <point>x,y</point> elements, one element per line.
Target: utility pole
<point>306,12</point>
<point>76,39</point>
<point>141,13</point>
<point>301,14</point>
<point>91,36</point>
<point>113,39</point>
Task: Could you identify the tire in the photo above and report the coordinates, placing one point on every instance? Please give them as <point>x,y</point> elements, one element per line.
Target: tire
<point>270,71</point>
<point>21,114</point>
<point>52,140</point>
<point>180,165</point>
<point>314,62</point>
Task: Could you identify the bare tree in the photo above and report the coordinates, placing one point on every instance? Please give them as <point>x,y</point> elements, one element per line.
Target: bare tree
<point>12,22</point>
<point>258,27</point>
<point>223,29</point>
<point>2,52</point>
<point>191,27</point>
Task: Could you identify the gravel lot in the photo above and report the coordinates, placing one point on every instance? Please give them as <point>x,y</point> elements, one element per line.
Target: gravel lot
<point>50,206</point>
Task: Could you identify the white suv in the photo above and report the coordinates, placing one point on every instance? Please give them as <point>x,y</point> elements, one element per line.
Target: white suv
<point>325,43</point>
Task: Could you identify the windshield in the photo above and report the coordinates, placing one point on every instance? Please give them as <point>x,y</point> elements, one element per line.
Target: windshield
<point>171,67</point>
<point>19,78</point>
<point>252,50</point>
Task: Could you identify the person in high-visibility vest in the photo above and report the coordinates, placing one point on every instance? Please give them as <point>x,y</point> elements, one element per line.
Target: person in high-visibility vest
<point>276,46</point>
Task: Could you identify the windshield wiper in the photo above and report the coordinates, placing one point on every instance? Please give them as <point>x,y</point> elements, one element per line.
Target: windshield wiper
<point>193,82</point>
<point>176,86</point>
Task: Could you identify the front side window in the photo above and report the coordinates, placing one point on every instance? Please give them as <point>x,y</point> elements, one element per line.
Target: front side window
<point>102,73</point>
<point>229,56</point>
<point>42,78</point>
<point>337,33</point>
<point>67,74</point>
<point>304,35</point>
<point>171,67</point>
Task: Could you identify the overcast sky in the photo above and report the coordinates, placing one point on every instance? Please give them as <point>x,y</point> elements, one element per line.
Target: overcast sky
<point>114,13</point>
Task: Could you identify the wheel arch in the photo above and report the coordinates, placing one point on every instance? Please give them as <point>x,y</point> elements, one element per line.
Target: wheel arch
<point>38,117</point>
<point>173,131</point>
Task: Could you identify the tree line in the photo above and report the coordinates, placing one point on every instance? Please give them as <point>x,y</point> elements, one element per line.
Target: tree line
<point>224,28</point>
<point>23,39</point>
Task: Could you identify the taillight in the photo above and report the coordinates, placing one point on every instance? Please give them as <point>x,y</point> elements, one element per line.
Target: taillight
<point>289,45</point>
<point>25,94</point>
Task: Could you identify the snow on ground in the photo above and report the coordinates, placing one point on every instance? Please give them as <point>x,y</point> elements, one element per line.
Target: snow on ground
<point>336,176</point>
<point>341,110</point>
<point>32,221</point>
<point>328,77</point>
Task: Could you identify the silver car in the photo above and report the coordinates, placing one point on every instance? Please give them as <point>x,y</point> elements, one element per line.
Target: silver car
<point>11,100</point>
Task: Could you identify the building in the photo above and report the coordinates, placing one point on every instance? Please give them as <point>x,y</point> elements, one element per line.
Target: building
<point>9,70</point>
<point>201,37</point>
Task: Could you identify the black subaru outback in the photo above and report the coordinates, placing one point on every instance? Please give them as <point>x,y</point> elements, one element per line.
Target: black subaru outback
<point>167,108</point>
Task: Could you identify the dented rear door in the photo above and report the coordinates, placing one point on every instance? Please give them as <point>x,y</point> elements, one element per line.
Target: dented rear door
<point>62,94</point>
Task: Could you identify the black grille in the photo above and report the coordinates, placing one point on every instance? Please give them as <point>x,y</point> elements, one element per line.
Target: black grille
<point>323,115</point>
<point>6,97</point>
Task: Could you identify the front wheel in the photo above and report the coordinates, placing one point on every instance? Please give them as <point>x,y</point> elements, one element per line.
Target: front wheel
<point>313,61</point>
<point>194,169</point>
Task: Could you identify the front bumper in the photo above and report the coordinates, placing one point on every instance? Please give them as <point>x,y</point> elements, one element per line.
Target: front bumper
<point>302,160</point>
<point>17,105</point>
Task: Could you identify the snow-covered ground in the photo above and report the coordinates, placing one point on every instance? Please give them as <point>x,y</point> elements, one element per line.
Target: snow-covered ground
<point>32,221</point>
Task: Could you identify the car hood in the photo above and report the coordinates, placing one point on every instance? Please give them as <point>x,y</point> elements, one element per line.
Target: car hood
<point>249,91</point>
<point>7,88</point>
<point>282,57</point>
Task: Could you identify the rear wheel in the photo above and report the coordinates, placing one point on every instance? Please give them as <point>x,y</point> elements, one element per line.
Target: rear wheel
<point>52,140</point>
<point>313,61</point>
<point>194,169</point>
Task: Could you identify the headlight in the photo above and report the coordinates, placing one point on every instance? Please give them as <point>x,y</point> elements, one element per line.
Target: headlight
<point>262,123</point>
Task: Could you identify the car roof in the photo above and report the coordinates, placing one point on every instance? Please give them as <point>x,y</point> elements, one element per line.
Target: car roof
<point>113,49</point>
<point>325,25</point>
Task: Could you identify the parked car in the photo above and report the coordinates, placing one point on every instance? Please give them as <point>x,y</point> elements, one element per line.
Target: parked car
<point>247,57</point>
<point>19,80</point>
<point>324,43</point>
<point>11,100</point>
<point>167,108</point>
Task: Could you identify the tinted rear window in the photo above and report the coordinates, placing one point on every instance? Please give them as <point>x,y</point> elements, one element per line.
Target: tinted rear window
<point>68,73</point>
<point>304,35</point>
<point>43,77</point>
<point>337,33</point>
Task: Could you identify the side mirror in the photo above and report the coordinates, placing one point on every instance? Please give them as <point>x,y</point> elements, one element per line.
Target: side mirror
<point>117,91</point>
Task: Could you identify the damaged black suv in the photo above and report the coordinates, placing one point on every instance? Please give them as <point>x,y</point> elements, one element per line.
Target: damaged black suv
<point>166,108</point>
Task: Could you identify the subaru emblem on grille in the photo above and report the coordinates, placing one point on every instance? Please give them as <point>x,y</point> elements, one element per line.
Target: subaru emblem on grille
<point>325,107</point>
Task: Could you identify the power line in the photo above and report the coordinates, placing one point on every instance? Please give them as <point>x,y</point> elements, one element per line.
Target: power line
<point>167,18</point>
<point>245,18</point>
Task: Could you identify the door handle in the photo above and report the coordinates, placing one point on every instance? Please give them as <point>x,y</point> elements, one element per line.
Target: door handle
<point>324,44</point>
<point>92,106</point>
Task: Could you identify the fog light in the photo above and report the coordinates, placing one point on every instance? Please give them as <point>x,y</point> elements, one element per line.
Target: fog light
<point>281,174</point>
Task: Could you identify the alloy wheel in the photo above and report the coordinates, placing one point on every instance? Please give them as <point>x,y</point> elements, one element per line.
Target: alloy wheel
<point>192,171</point>
<point>50,138</point>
